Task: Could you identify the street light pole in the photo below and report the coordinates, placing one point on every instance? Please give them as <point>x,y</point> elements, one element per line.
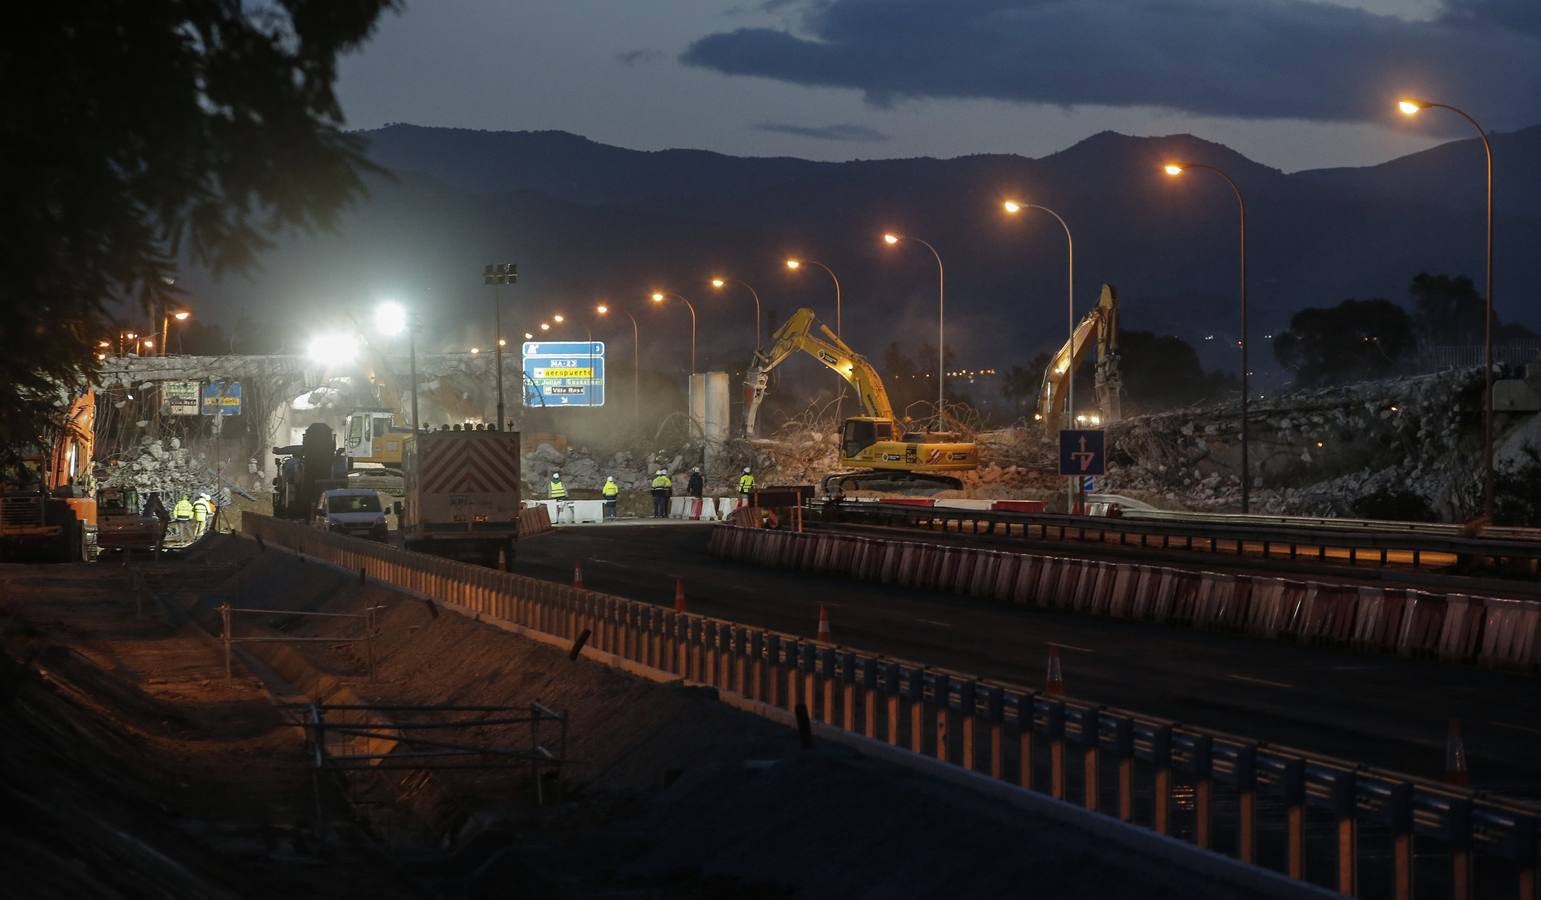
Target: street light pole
<point>1241,204</point>
<point>1410,108</point>
<point>941,319</point>
<point>496,275</point>
<point>1013,207</point>
<point>796,263</point>
<point>719,282</point>
<point>636,369</point>
<point>658,297</point>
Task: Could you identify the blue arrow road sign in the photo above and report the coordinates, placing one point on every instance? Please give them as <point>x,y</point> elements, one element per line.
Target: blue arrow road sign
<point>1081,452</point>
<point>564,373</point>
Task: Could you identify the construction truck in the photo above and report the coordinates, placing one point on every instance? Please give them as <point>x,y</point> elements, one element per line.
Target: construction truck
<point>305,470</point>
<point>1099,327</point>
<point>880,451</point>
<point>47,504</point>
<point>461,494</point>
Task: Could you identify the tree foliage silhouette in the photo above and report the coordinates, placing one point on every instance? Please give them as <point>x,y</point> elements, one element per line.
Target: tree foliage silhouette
<point>140,132</point>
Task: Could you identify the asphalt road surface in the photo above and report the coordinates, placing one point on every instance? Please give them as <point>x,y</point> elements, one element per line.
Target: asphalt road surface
<point>1372,708</point>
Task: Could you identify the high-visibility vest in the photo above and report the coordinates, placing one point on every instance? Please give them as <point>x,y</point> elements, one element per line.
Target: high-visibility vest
<point>611,489</point>
<point>745,483</point>
<point>183,509</point>
<point>200,510</point>
<point>558,491</point>
<point>662,482</point>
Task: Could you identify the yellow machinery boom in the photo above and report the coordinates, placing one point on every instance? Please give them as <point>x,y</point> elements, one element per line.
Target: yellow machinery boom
<point>1099,325</point>
<point>875,440</point>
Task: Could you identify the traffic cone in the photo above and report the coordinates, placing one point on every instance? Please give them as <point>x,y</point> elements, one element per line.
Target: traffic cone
<point>824,635</point>
<point>679,595</point>
<point>1455,756</point>
<point>578,573</point>
<point>1054,681</point>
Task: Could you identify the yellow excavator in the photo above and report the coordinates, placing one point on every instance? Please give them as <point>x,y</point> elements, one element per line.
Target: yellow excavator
<point>1100,326</point>
<point>884,453</point>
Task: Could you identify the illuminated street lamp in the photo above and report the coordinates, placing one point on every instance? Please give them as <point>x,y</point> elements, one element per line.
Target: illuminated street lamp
<point>1411,107</point>
<point>1013,207</point>
<point>636,355</point>
<point>166,317</point>
<point>659,297</point>
<point>795,264</point>
<point>391,319</point>
<point>720,283</point>
<point>1175,170</point>
<point>545,326</point>
<point>892,239</point>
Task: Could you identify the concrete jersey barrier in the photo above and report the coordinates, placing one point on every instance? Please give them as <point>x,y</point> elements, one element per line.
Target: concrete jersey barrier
<point>1456,627</point>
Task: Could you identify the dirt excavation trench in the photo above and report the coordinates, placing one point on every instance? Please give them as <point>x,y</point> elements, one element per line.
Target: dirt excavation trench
<point>131,768</point>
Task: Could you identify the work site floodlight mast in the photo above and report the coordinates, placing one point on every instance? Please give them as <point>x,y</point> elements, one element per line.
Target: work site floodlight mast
<point>496,275</point>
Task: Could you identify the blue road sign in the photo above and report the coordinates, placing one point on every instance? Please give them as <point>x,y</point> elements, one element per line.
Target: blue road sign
<point>1081,452</point>
<point>221,398</point>
<point>564,373</point>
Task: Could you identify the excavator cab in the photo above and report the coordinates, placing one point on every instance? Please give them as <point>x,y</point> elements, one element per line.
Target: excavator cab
<point>859,434</point>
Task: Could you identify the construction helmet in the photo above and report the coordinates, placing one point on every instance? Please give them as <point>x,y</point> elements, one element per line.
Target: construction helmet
<point>746,470</point>
<point>609,477</point>
<point>556,476</point>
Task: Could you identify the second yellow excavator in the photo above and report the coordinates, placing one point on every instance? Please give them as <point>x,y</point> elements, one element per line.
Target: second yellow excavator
<point>1099,327</point>
<point>884,453</point>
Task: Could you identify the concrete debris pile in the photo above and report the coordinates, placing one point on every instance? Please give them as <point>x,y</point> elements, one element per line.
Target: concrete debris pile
<point>1315,452</point>
<point>164,466</point>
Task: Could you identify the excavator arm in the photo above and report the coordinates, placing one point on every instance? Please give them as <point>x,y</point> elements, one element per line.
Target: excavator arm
<point>798,333</point>
<point>1099,327</point>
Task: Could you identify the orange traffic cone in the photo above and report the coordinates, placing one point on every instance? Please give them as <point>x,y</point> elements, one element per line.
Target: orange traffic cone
<point>1455,756</point>
<point>1054,681</point>
<point>578,573</point>
<point>502,559</point>
<point>679,595</point>
<point>824,635</point>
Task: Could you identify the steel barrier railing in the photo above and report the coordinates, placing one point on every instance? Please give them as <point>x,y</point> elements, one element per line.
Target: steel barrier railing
<point>1324,543</point>
<point>1042,742</point>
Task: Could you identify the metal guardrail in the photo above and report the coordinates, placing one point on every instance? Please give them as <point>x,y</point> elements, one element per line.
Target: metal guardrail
<point>1241,540</point>
<point>1017,734</point>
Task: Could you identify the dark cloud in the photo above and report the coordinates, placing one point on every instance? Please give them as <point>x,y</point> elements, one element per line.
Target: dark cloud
<point>1519,15</point>
<point>825,132</point>
<point>1258,59</point>
<point>637,57</point>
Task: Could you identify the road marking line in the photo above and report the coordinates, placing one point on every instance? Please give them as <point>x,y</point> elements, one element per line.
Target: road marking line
<point>933,622</point>
<point>1070,647</point>
<point>1263,681</point>
<point>1515,727</point>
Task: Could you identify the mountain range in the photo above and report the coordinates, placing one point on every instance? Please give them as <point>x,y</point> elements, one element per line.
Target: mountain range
<point>586,221</point>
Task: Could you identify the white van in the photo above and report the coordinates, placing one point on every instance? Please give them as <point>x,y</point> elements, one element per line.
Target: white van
<point>351,511</point>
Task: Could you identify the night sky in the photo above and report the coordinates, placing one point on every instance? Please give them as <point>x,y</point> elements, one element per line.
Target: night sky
<point>1291,84</point>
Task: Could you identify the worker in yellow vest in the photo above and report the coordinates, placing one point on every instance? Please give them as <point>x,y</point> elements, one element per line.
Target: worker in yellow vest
<point>611,493</point>
<point>201,512</point>
<point>182,514</point>
<point>662,486</point>
<point>557,490</point>
<point>745,482</point>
